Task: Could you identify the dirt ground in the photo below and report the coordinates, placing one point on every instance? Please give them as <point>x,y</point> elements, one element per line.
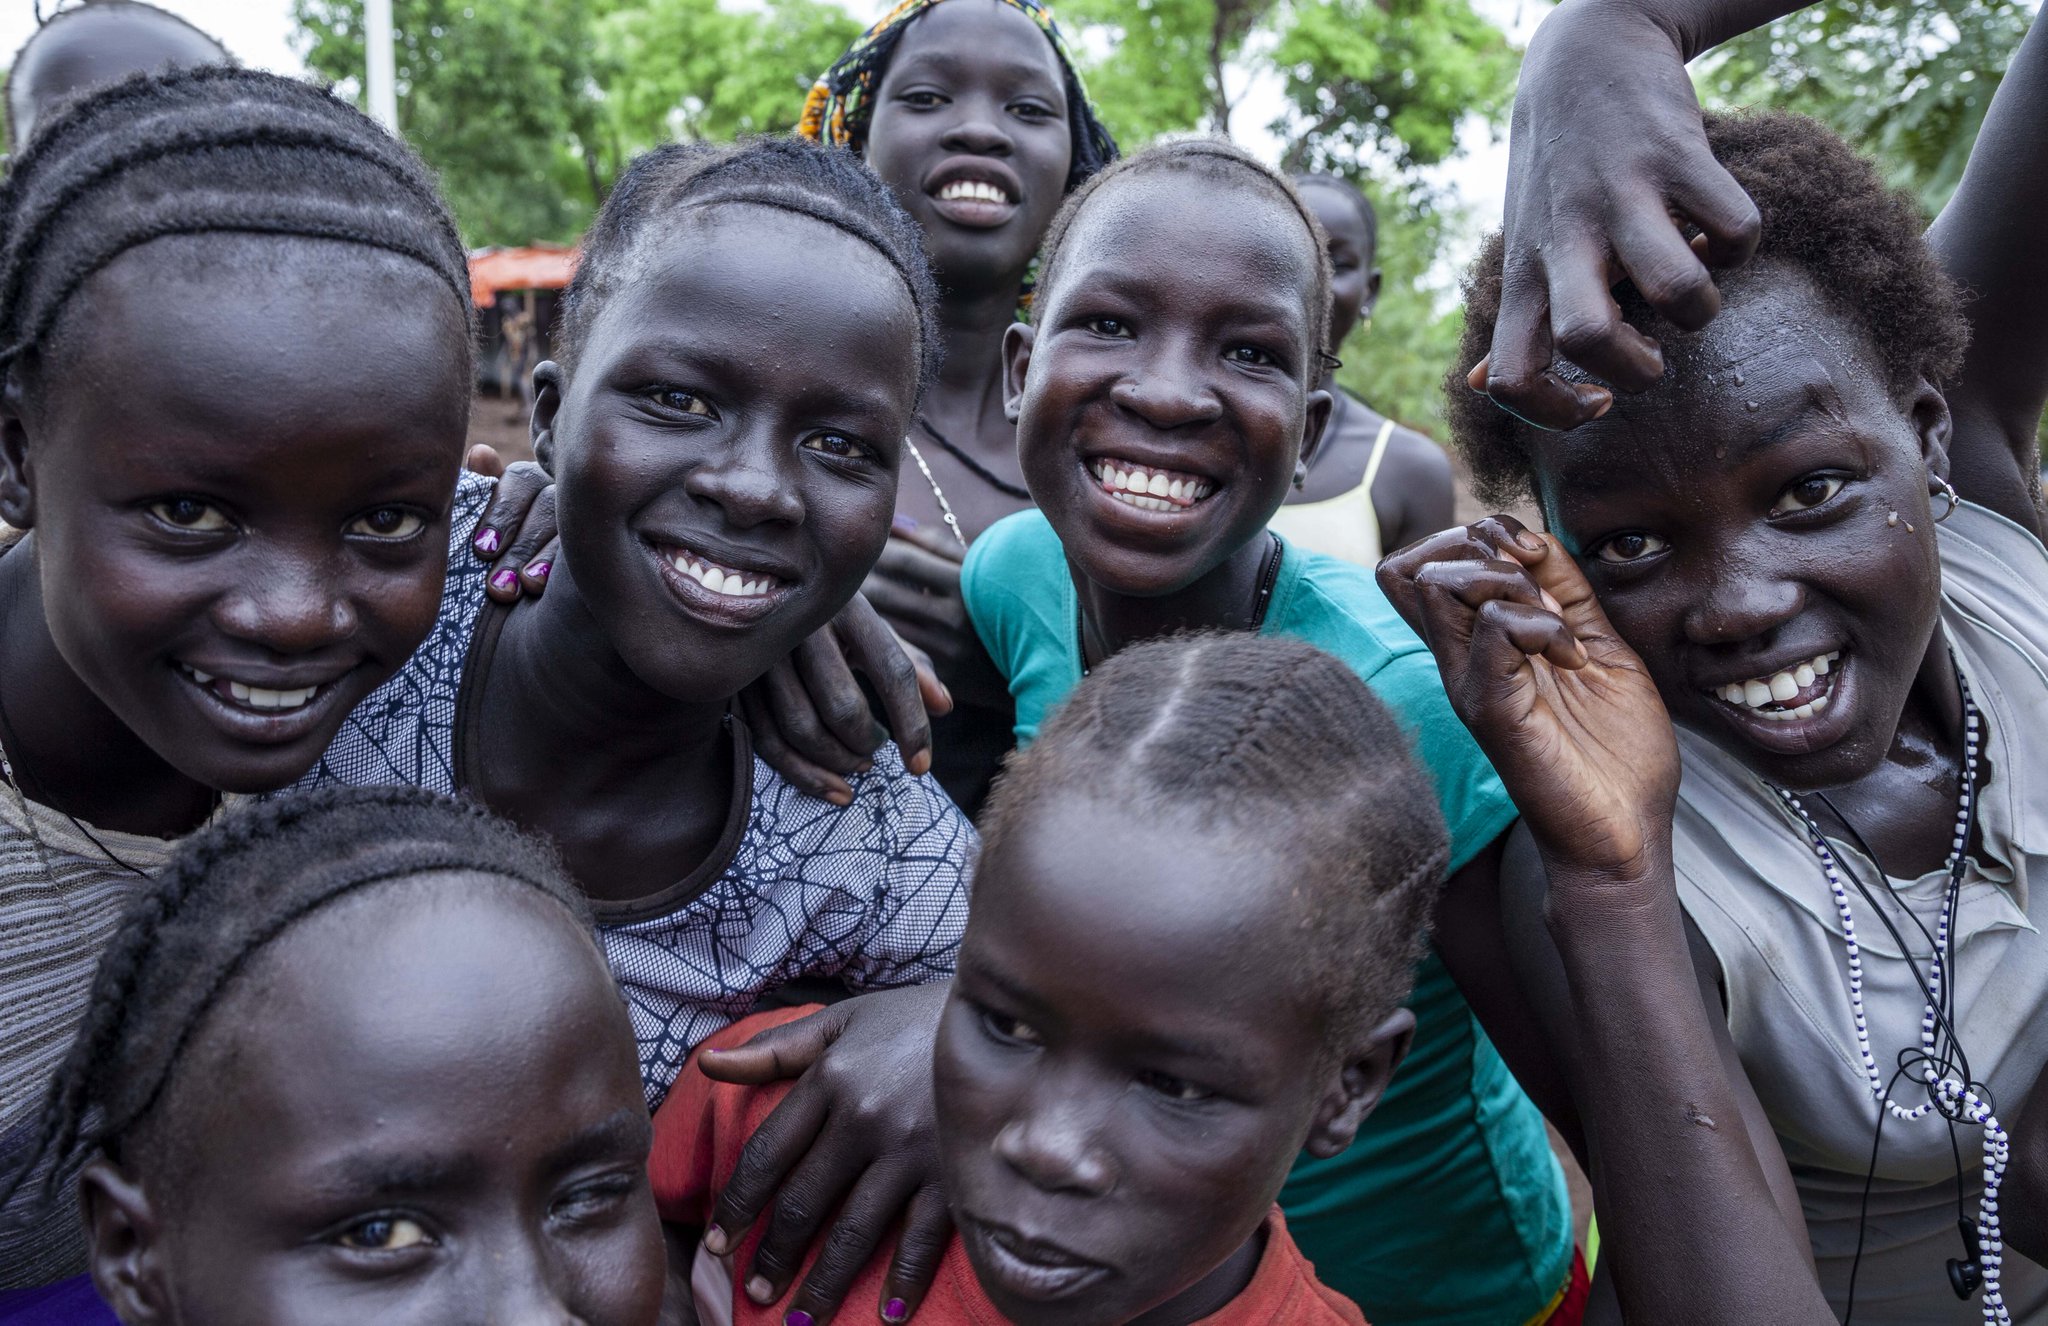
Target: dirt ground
<point>501,423</point>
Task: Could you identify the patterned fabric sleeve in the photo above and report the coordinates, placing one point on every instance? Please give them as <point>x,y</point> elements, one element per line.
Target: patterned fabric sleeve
<point>920,910</point>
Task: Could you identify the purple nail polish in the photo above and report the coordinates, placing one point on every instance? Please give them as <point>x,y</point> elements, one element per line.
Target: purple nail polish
<point>797,1317</point>
<point>487,540</point>
<point>539,570</point>
<point>895,1310</point>
<point>506,579</point>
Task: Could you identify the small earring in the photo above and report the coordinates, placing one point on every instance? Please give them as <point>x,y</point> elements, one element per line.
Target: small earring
<point>1300,475</point>
<point>1948,490</point>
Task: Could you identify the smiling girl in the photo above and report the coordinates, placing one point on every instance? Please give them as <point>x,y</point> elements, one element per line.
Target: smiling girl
<point>1818,533</point>
<point>236,530</point>
<point>971,112</point>
<point>1165,392</point>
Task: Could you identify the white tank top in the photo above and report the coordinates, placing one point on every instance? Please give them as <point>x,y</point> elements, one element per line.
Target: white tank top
<point>1749,880</point>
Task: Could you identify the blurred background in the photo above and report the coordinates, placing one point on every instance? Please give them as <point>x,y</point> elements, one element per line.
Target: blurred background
<point>529,109</point>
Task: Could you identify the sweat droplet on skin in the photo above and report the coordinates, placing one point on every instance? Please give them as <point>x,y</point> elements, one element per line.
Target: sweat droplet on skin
<point>1751,406</point>
<point>1892,519</point>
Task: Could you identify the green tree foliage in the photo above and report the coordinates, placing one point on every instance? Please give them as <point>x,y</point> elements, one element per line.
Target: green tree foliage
<point>1907,81</point>
<point>1373,90</point>
<point>529,108</point>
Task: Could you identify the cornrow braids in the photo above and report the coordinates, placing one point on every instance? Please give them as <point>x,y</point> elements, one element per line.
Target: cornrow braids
<point>1368,215</point>
<point>1268,736</point>
<point>786,174</point>
<point>1825,210</point>
<point>226,893</point>
<point>1215,158</point>
<point>841,104</point>
<point>206,151</point>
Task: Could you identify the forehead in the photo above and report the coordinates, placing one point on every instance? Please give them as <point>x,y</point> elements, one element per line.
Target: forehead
<point>1101,910</point>
<point>1778,360</point>
<point>1192,231</point>
<point>1336,211</point>
<point>964,37</point>
<point>101,45</point>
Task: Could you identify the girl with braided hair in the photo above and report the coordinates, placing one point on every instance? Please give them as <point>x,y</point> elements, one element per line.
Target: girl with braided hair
<point>972,113</point>
<point>237,527</point>
<point>1165,392</point>
<point>353,1055</point>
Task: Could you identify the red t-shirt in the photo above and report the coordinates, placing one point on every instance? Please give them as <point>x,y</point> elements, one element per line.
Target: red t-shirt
<point>701,1127</point>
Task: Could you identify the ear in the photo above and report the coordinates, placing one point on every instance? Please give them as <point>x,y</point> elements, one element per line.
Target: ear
<point>126,1251</point>
<point>1372,295</point>
<point>1360,1082</point>
<point>17,484</point>
<point>1017,342</point>
<point>1313,426</point>
<point>1928,409</point>
<point>548,382</point>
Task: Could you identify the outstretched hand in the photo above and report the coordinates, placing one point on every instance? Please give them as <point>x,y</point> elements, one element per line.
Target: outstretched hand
<point>1565,710</point>
<point>854,1135</point>
<point>1608,169</point>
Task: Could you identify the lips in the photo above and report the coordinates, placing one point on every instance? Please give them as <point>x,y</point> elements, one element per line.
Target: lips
<point>1805,706</point>
<point>976,192</point>
<point>1029,1267</point>
<point>719,588</point>
<point>265,709</point>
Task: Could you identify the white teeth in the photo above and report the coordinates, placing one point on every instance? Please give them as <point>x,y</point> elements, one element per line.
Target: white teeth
<point>1779,688</point>
<point>262,697</point>
<point>1159,485</point>
<point>1144,502</point>
<point>721,579</point>
<point>978,191</point>
<point>203,678</point>
<point>1165,491</point>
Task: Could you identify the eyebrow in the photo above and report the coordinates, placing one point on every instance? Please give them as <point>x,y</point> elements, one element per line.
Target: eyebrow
<point>1162,1043</point>
<point>687,360</point>
<point>1277,312</point>
<point>945,62</point>
<point>625,1129</point>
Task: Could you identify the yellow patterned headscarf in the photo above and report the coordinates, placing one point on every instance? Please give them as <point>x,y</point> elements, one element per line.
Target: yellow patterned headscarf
<point>840,103</point>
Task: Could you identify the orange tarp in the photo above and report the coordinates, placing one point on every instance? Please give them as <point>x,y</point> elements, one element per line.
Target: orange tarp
<point>540,267</point>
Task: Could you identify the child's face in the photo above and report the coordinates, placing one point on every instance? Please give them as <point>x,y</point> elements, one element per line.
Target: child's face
<point>974,97</point>
<point>1354,280</point>
<point>1126,1068</point>
<point>238,460</point>
<point>94,48</point>
<point>1763,508</point>
<point>728,444</point>
<point>1172,351</point>
<point>415,1107</point>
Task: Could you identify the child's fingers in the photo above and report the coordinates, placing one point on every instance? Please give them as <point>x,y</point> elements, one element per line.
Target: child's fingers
<point>777,1054</point>
<point>860,1227</point>
<point>936,540</point>
<point>835,696</point>
<point>920,1248</point>
<point>1559,577</point>
<point>886,660</point>
<point>483,458</point>
<point>506,514</point>
<point>805,775</point>
<point>822,1180</point>
<point>1527,632</point>
<point>776,1148</point>
<point>537,528</point>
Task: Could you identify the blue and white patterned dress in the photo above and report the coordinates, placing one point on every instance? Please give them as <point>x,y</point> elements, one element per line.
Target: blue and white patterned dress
<point>873,894</point>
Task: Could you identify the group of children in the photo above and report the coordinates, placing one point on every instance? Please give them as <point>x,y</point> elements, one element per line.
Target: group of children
<point>397,926</point>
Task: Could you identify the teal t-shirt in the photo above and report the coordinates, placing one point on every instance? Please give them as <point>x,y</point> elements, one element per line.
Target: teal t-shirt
<point>1450,1208</point>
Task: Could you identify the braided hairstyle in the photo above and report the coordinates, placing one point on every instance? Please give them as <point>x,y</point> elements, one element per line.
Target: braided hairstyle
<point>1219,160</point>
<point>785,174</point>
<point>206,151</point>
<point>841,105</point>
<point>1268,736</point>
<point>226,893</point>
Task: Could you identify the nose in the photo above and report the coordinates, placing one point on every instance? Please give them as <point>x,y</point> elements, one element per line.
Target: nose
<point>749,480</point>
<point>979,129</point>
<point>1168,390</point>
<point>1054,1142</point>
<point>1742,604</point>
<point>518,1287</point>
<point>289,603</point>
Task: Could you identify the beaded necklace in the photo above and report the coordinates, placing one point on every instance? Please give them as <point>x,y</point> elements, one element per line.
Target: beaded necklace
<point>945,507</point>
<point>1957,1099</point>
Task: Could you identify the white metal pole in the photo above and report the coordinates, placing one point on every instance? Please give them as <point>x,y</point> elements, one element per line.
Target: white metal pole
<point>381,82</point>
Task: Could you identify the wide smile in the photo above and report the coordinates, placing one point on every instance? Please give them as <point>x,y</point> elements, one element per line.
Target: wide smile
<point>1794,709</point>
<point>1030,1268</point>
<point>263,710</point>
<point>1149,488</point>
<point>719,591</point>
<point>978,195</point>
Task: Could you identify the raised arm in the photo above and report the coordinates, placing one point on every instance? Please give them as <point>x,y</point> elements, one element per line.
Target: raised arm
<point>1988,239</point>
<point>1573,723</point>
<point>1606,158</point>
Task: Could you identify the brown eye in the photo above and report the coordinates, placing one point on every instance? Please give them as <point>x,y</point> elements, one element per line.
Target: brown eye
<point>1807,494</point>
<point>682,402</point>
<point>840,445</point>
<point>393,523</point>
<point>384,1234</point>
<point>1633,547</point>
<point>1005,1028</point>
<point>189,513</point>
